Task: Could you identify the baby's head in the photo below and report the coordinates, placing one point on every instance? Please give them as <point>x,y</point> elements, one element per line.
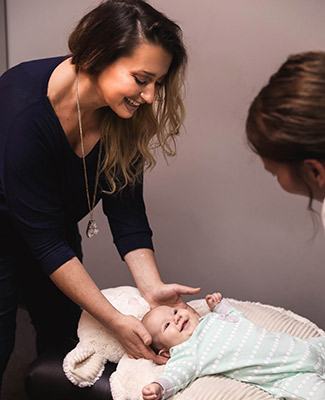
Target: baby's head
<point>169,326</point>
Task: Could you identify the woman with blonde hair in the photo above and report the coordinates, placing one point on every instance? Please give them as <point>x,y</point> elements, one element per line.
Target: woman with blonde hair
<point>76,130</point>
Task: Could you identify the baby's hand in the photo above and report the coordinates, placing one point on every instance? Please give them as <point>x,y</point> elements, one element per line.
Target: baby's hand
<point>213,299</point>
<point>153,391</point>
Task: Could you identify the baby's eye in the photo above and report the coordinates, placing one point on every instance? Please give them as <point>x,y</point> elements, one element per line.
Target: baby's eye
<point>175,312</point>
<point>167,325</point>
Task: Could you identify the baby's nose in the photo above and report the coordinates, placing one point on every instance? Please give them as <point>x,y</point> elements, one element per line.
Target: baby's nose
<point>177,318</point>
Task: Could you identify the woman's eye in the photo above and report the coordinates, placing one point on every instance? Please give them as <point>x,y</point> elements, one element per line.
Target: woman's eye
<point>167,325</point>
<point>139,82</point>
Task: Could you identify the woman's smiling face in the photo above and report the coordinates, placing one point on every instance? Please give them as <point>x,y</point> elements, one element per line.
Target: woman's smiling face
<point>131,81</point>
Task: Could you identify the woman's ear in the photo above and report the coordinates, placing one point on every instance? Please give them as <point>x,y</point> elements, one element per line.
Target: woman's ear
<point>164,353</point>
<point>315,171</point>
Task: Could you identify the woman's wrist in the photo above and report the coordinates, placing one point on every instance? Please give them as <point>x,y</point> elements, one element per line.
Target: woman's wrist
<point>143,267</point>
<point>114,322</point>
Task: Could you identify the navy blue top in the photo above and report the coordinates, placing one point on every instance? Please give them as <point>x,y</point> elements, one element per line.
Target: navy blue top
<point>42,186</point>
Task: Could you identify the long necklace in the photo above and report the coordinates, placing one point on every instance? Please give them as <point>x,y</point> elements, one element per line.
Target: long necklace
<point>92,228</point>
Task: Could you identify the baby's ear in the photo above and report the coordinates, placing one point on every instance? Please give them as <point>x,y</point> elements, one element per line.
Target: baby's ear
<point>164,353</point>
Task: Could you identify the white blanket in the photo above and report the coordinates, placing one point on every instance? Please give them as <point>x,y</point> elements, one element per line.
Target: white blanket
<point>84,365</point>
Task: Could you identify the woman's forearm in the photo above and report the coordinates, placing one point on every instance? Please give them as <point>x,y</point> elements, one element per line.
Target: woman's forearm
<point>143,266</point>
<point>74,281</point>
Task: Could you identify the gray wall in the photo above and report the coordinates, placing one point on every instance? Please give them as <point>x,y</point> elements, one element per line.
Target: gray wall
<point>219,220</point>
<point>3,37</point>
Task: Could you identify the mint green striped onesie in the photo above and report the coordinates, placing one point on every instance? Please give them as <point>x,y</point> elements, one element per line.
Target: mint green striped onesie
<point>225,342</point>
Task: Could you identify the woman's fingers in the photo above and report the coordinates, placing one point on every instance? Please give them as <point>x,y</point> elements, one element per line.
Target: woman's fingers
<point>182,289</point>
<point>135,340</point>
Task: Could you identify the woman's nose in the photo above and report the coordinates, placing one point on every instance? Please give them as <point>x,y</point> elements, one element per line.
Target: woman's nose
<point>148,94</point>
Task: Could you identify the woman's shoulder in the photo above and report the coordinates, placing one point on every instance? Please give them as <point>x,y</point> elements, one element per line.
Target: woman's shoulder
<point>25,85</point>
<point>36,66</point>
<point>29,76</point>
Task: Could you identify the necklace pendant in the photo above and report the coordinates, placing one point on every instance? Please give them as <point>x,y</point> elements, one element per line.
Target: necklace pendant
<point>92,228</point>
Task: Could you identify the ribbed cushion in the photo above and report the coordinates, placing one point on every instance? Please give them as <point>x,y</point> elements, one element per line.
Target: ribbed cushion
<point>277,319</point>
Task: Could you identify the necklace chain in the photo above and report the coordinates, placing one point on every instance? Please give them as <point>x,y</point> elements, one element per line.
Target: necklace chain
<point>92,228</point>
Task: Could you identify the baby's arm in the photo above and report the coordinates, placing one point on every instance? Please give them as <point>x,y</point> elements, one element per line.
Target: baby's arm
<point>152,391</point>
<point>213,299</point>
<point>172,380</point>
<point>220,305</point>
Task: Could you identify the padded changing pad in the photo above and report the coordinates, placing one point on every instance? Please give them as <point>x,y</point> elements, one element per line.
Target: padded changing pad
<point>131,375</point>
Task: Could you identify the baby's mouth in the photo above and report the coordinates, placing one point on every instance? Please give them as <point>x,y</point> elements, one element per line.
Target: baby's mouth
<point>184,325</point>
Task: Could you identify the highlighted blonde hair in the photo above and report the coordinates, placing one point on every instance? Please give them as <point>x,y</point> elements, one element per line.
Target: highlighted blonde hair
<point>115,29</point>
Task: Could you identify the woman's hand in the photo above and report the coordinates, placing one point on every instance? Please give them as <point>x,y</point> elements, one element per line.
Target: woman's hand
<point>134,338</point>
<point>144,269</point>
<point>132,334</point>
<point>170,294</point>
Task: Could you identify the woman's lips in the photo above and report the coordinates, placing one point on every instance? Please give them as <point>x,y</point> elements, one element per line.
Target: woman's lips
<point>132,104</point>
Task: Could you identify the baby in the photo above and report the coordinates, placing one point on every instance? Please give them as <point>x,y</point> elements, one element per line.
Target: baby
<point>225,342</point>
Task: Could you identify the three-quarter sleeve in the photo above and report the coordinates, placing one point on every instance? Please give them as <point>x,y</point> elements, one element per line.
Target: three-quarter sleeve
<point>128,220</point>
<point>31,187</point>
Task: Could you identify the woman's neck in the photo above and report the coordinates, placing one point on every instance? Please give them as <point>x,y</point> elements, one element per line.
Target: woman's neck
<point>62,96</point>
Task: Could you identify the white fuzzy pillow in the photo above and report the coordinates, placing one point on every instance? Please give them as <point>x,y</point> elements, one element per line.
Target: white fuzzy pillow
<point>85,364</point>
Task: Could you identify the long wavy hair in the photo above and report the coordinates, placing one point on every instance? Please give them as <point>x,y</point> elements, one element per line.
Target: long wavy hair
<point>115,29</point>
<point>286,120</point>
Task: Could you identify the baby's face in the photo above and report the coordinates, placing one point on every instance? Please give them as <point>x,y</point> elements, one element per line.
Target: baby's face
<point>170,326</point>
